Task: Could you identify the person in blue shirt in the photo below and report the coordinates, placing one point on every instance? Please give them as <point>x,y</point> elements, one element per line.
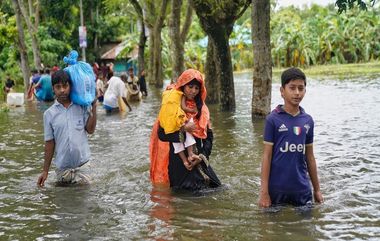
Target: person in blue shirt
<point>44,89</point>
<point>288,163</point>
<point>66,126</point>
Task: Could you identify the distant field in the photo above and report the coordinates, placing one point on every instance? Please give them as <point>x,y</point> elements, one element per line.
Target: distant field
<point>338,71</point>
<point>341,71</point>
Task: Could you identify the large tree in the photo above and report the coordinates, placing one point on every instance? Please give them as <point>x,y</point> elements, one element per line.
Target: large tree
<point>217,19</point>
<point>154,18</point>
<point>178,35</point>
<point>142,35</point>
<point>262,60</point>
<point>24,63</point>
<point>31,18</point>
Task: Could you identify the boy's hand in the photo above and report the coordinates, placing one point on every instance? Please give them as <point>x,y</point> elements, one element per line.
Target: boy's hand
<point>264,200</point>
<point>42,178</point>
<point>318,197</point>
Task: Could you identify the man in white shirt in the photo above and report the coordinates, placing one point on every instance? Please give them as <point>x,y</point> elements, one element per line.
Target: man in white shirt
<point>115,90</point>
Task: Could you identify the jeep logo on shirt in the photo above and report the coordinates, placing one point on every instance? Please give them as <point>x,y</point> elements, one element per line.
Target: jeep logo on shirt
<point>293,148</point>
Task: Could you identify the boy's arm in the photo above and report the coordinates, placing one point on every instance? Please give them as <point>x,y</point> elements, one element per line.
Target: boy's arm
<point>91,121</point>
<point>264,200</point>
<point>313,173</point>
<point>49,151</point>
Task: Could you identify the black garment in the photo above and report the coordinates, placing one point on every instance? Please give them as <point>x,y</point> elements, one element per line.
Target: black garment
<point>142,84</point>
<point>182,179</point>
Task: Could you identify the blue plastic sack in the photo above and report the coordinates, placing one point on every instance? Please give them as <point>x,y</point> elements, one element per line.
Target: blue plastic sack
<point>82,79</point>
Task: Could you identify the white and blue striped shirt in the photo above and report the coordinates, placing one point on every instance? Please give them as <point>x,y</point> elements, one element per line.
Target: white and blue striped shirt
<point>67,128</point>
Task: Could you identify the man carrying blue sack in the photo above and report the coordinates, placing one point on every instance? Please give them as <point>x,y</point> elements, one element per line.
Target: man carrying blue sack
<point>83,80</point>
<point>66,126</point>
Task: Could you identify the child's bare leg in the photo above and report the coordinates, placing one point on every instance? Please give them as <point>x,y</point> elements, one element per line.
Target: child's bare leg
<point>191,156</point>
<point>190,152</point>
<point>184,159</point>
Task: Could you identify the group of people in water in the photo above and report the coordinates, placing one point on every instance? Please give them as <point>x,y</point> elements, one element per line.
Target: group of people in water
<point>182,138</point>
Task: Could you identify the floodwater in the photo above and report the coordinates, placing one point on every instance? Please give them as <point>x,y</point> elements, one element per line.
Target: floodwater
<point>122,205</point>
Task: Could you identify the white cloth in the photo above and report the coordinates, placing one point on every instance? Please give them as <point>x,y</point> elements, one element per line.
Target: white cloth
<point>116,89</point>
<point>178,146</point>
<point>133,80</point>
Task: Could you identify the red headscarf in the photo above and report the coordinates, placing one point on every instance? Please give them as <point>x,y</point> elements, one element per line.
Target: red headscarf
<point>204,119</point>
<point>158,150</point>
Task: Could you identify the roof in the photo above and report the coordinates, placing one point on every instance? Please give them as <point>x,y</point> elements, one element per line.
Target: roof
<point>115,51</point>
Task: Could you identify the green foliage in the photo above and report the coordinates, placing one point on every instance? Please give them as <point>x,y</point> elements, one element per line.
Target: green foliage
<point>300,37</point>
<point>320,36</point>
<point>4,108</point>
<point>344,5</point>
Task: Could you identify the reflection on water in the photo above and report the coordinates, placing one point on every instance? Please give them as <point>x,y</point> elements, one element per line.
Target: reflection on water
<point>121,204</point>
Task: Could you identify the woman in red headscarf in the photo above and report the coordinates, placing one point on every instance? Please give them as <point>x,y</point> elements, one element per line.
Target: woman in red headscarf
<point>167,168</point>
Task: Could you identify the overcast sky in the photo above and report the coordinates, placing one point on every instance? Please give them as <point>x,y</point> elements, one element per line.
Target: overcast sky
<point>302,2</point>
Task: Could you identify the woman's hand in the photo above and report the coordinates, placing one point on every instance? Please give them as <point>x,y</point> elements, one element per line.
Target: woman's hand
<point>189,127</point>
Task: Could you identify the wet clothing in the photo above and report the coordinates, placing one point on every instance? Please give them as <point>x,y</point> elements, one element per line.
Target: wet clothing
<point>45,90</point>
<point>167,167</point>
<point>171,115</point>
<point>293,198</point>
<point>289,136</point>
<point>79,175</point>
<point>182,179</point>
<point>134,80</point>
<point>100,90</point>
<point>142,84</point>
<point>116,89</point>
<point>36,78</point>
<point>67,128</point>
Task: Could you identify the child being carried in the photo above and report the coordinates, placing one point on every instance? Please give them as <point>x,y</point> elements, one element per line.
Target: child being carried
<point>173,115</point>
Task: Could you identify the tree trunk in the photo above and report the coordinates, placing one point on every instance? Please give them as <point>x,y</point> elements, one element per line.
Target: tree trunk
<point>30,5</point>
<point>22,46</point>
<point>217,19</point>
<point>142,38</point>
<point>224,71</point>
<point>178,37</point>
<point>151,41</point>
<point>33,34</point>
<point>96,20</point>
<point>211,78</point>
<point>141,51</point>
<point>176,43</point>
<point>262,66</point>
<point>157,59</point>
<point>219,35</point>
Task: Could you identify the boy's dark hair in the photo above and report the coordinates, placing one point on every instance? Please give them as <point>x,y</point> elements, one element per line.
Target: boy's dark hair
<point>130,69</point>
<point>292,74</point>
<point>60,76</point>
